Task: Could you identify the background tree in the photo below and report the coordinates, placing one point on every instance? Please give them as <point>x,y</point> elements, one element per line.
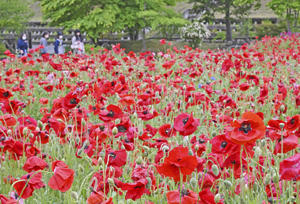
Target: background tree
<point>14,14</point>
<point>98,17</point>
<point>208,9</point>
<point>288,9</point>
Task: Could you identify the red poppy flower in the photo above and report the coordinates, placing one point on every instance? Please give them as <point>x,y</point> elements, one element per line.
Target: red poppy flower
<point>221,145</point>
<point>62,179</point>
<point>70,101</point>
<point>5,93</point>
<point>5,200</point>
<point>135,190</point>
<point>185,124</point>
<point>48,88</point>
<point>166,130</point>
<point>28,183</point>
<point>111,113</point>
<point>34,163</point>
<point>207,197</point>
<point>183,197</point>
<point>289,169</point>
<point>286,144</point>
<point>247,130</point>
<point>116,158</point>
<point>178,162</point>
<point>98,198</point>
<point>44,101</point>
<point>293,123</point>
<point>8,120</point>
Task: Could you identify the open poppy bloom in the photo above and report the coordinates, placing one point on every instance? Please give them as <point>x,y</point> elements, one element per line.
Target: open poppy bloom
<point>289,169</point>
<point>98,198</point>
<point>34,163</point>
<point>187,197</point>
<point>185,124</point>
<point>111,113</point>
<point>63,177</point>
<point>135,190</point>
<point>28,183</point>
<point>247,130</point>
<point>178,162</point>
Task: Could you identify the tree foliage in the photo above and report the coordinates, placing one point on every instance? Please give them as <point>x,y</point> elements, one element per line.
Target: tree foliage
<point>229,8</point>
<point>98,17</point>
<point>14,14</point>
<point>288,9</point>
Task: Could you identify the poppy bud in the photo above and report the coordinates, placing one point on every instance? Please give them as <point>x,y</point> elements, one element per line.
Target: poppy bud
<point>149,183</point>
<point>157,94</point>
<point>74,195</point>
<point>139,160</point>
<point>115,131</point>
<point>40,124</point>
<point>77,139</point>
<point>227,184</point>
<point>213,134</point>
<point>186,141</point>
<point>117,121</point>
<point>257,152</point>
<point>281,125</point>
<point>267,179</point>
<point>31,135</point>
<point>275,178</point>
<point>83,123</point>
<point>217,198</point>
<point>191,99</point>
<point>215,170</point>
<point>193,182</point>
<point>25,131</point>
<point>79,152</point>
<point>9,132</point>
<point>282,108</point>
<point>100,160</point>
<point>263,142</point>
<point>111,181</point>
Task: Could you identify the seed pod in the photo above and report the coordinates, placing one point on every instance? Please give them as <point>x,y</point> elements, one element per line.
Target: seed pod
<point>215,170</point>
<point>115,131</point>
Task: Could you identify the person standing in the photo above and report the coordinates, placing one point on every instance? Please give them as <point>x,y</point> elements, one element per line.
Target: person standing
<point>58,44</point>
<point>77,43</point>
<point>22,45</point>
<point>44,43</point>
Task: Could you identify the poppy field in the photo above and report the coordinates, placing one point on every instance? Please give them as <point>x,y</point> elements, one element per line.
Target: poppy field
<point>181,126</point>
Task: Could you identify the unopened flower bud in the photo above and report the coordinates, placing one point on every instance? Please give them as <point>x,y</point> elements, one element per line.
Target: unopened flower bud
<point>267,179</point>
<point>193,182</point>
<point>74,195</point>
<point>115,131</point>
<point>149,183</point>
<point>139,160</point>
<point>281,125</point>
<point>186,141</point>
<point>217,198</point>
<point>227,184</point>
<point>117,121</point>
<point>40,124</point>
<point>275,178</point>
<point>257,151</point>
<point>282,108</point>
<point>215,170</point>
<point>110,181</point>
<point>25,131</point>
<point>9,132</point>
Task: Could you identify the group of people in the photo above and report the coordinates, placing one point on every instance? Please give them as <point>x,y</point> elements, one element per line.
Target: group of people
<point>59,48</point>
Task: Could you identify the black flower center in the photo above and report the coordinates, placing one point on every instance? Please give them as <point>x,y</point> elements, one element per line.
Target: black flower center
<point>110,114</point>
<point>112,154</point>
<point>145,112</point>
<point>73,101</point>
<point>245,127</point>
<point>6,94</point>
<point>201,141</point>
<point>185,192</point>
<point>185,120</point>
<point>121,128</point>
<point>223,144</point>
<point>293,121</point>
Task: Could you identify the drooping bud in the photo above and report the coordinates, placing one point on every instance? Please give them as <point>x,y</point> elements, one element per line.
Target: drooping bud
<point>215,170</point>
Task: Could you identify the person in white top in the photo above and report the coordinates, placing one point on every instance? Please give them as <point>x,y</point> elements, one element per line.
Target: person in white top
<point>77,43</point>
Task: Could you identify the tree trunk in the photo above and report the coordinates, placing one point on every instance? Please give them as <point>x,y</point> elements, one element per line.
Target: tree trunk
<point>288,14</point>
<point>144,40</point>
<point>227,20</point>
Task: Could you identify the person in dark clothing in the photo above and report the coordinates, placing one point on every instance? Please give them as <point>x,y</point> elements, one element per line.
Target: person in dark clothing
<point>44,43</point>
<point>58,44</point>
<point>22,45</point>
